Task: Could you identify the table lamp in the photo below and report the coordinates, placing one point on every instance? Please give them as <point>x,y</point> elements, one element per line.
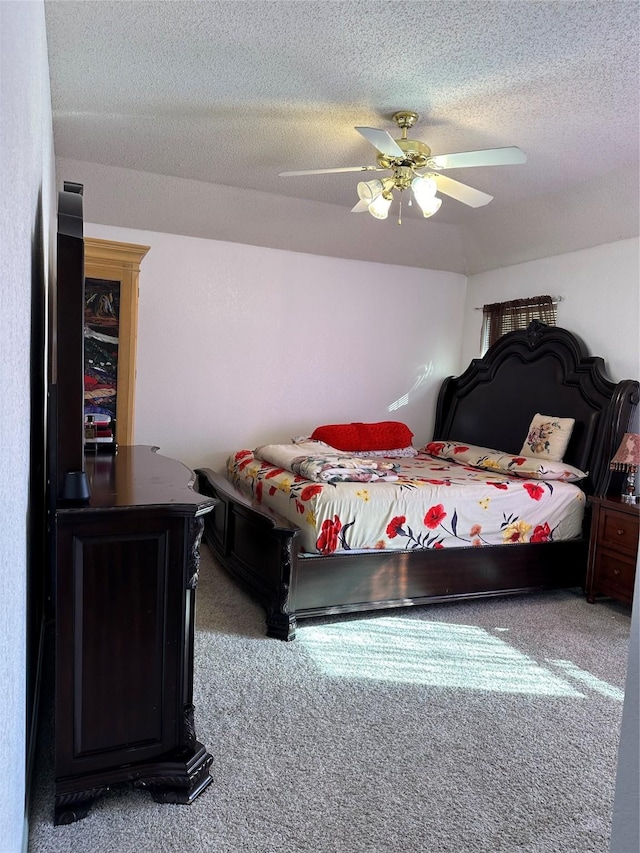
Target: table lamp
<point>627,459</point>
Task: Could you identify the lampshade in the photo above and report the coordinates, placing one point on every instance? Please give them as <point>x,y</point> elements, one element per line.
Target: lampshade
<point>424,192</point>
<point>628,454</point>
<point>423,189</point>
<point>376,196</point>
<point>379,207</point>
<point>430,206</point>
<point>369,190</point>
<point>627,458</point>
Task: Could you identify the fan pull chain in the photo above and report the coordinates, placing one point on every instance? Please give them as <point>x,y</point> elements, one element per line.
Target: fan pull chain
<point>400,211</point>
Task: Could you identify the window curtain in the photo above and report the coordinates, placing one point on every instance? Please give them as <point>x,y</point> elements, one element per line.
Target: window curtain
<point>498,318</point>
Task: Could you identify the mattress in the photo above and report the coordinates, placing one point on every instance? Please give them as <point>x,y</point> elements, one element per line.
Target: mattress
<point>432,503</point>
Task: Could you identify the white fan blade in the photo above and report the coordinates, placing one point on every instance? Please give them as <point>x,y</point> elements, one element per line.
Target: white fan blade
<point>329,171</point>
<point>360,207</point>
<point>488,157</point>
<point>461,192</point>
<point>381,140</point>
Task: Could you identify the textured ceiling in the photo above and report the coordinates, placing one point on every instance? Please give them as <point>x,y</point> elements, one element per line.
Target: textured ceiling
<point>229,94</point>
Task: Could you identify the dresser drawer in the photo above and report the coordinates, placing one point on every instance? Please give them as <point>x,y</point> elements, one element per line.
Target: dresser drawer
<point>618,530</point>
<point>615,575</point>
<point>613,549</point>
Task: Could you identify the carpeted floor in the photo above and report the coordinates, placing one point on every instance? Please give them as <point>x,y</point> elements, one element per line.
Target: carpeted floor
<point>488,727</point>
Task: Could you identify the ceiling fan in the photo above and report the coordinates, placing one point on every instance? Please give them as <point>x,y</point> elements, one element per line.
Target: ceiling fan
<point>413,167</point>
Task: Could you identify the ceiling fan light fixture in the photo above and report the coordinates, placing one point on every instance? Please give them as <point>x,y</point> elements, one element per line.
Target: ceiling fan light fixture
<point>379,207</point>
<point>429,206</point>
<point>424,192</point>
<point>423,188</point>
<point>368,191</point>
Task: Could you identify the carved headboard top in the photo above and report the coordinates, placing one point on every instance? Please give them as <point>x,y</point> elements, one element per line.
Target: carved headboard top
<point>544,369</point>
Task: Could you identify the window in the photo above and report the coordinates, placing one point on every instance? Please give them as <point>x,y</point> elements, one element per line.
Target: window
<point>502,317</point>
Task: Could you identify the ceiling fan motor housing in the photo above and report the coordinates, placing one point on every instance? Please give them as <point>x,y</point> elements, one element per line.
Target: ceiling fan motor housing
<point>416,155</point>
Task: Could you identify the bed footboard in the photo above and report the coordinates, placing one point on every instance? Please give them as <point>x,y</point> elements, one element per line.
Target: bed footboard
<point>256,546</point>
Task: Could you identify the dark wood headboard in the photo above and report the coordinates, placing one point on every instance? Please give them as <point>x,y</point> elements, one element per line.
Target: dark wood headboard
<point>543,369</point>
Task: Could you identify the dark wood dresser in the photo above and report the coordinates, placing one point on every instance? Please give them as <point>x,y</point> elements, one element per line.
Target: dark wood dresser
<point>613,549</point>
<point>126,574</point>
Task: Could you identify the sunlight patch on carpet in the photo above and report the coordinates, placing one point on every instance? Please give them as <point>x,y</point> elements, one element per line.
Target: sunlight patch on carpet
<point>589,680</point>
<point>439,654</point>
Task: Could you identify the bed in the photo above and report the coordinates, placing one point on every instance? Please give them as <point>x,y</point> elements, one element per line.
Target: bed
<point>542,369</point>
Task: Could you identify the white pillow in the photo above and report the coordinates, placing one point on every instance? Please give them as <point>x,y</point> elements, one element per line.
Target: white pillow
<point>547,437</point>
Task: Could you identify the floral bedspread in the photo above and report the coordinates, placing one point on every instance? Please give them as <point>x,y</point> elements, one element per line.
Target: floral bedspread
<point>433,503</point>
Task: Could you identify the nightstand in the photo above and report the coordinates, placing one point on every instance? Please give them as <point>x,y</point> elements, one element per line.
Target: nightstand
<point>613,549</point>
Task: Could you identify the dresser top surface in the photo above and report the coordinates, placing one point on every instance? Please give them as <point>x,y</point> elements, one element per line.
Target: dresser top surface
<point>615,502</point>
<point>138,476</point>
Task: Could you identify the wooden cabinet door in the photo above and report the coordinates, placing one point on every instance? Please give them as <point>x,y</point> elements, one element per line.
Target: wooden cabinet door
<point>121,617</point>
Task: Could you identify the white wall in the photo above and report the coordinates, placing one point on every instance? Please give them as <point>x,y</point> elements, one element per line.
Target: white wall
<point>241,345</point>
<point>166,204</point>
<point>26,216</point>
<point>600,290</point>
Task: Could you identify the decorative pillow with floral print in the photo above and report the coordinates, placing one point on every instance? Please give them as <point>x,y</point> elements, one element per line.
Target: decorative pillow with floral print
<point>547,437</point>
<point>504,463</point>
